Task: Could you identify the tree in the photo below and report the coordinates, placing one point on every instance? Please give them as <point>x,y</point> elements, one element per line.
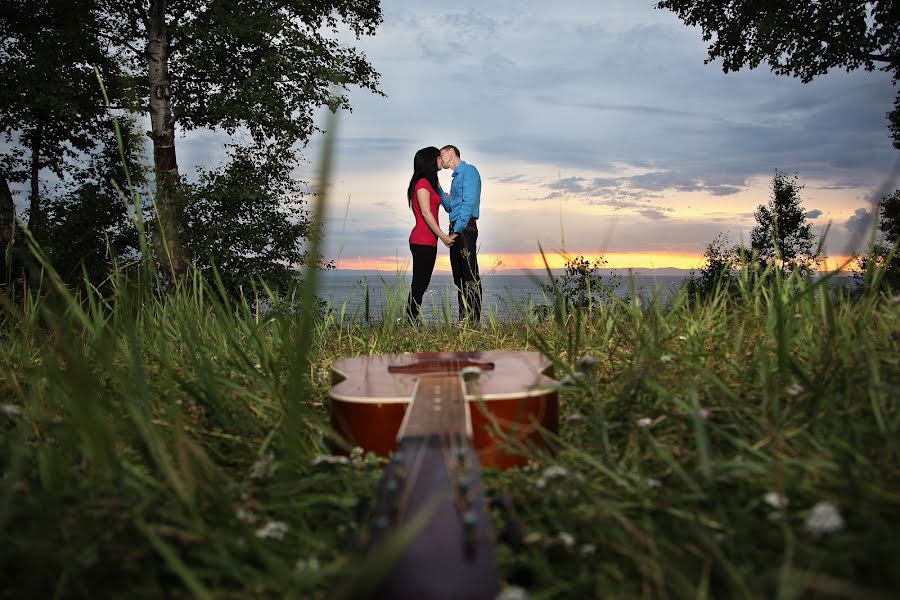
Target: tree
<point>782,233</point>
<point>889,221</point>
<point>246,219</point>
<point>260,67</point>
<point>797,38</point>
<point>718,272</point>
<point>89,228</point>
<point>50,109</point>
<point>879,255</point>
<point>581,285</point>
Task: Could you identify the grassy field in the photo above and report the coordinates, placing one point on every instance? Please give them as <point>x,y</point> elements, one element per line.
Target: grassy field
<point>166,446</point>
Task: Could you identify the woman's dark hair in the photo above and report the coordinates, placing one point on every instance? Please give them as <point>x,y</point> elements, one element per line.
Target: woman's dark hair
<point>424,167</point>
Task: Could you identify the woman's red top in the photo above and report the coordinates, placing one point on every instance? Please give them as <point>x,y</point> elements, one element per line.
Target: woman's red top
<point>421,233</point>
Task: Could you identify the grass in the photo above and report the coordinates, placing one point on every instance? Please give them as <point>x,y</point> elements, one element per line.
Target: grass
<point>169,443</point>
<point>163,446</point>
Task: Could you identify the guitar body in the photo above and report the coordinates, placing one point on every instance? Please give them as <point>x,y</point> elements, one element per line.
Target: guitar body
<point>370,395</point>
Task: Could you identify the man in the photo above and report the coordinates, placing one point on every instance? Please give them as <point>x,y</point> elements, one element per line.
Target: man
<point>463,204</point>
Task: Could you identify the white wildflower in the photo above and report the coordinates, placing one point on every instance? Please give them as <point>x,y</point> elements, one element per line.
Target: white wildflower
<point>575,416</point>
<point>324,459</point>
<point>682,338</point>
<point>566,539</point>
<point>245,515</point>
<point>666,358</point>
<point>824,518</point>
<point>553,472</point>
<point>795,389</point>
<point>307,564</point>
<point>11,410</point>
<point>532,538</point>
<point>653,483</point>
<point>896,299</point>
<point>704,413</point>
<point>588,549</point>
<point>798,316</point>
<point>263,467</point>
<point>775,500</point>
<point>273,530</point>
<point>512,592</point>
<point>645,422</point>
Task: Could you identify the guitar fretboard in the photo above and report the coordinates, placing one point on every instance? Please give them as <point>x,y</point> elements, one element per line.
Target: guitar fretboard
<point>438,407</point>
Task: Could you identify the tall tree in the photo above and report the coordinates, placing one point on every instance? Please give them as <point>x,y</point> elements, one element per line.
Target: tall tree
<point>246,219</point>
<point>89,228</point>
<point>50,106</point>
<point>261,67</point>
<point>889,221</point>
<point>782,232</point>
<point>800,38</point>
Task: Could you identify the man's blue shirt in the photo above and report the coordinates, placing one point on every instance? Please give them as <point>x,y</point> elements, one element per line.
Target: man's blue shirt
<point>465,195</point>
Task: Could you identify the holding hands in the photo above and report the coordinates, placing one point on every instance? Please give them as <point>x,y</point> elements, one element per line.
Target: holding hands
<point>448,239</point>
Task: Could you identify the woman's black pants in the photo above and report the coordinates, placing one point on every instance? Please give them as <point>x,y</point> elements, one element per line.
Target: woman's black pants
<point>422,268</point>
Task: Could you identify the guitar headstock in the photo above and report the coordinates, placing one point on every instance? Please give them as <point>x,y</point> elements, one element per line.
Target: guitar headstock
<point>432,491</point>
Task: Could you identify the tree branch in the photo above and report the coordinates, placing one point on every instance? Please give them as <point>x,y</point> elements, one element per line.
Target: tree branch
<point>882,58</point>
<point>119,41</point>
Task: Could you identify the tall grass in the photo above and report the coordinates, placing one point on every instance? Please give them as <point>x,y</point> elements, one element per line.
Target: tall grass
<point>156,445</point>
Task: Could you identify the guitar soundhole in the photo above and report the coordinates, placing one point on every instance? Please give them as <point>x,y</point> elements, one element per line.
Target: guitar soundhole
<point>453,365</point>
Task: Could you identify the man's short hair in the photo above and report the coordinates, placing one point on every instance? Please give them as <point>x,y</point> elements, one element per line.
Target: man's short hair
<point>451,147</point>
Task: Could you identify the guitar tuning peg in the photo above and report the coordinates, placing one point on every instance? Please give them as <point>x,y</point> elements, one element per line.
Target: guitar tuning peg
<point>461,456</point>
<point>469,523</point>
<point>471,374</point>
<point>463,485</point>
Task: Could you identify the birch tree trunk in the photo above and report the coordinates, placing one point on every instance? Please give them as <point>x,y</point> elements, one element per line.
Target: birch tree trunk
<point>7,214</point>
<point>34,210</point>
<point>163,135</point>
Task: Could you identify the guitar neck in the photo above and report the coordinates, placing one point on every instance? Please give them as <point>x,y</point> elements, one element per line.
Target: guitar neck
<point>438,408</point>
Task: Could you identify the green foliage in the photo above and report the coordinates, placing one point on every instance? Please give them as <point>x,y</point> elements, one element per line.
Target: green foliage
<point>142,447</point>
<point>879,268</point>
<point>782,234</point>
<point>581,285</point>
<point>263,67</point>
<point>718,272</point>
<point>89,228</point>
<point>247,221</point>
<point>50,110</point>
<point>800,39</point>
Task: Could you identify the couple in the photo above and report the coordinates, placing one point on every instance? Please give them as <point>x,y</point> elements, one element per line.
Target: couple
<point>424,196</point>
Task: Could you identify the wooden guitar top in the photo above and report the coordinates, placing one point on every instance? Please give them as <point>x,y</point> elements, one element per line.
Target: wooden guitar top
<point>504,374</point>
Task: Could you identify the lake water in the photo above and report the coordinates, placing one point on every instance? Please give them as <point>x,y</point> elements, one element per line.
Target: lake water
<point>504,293</point>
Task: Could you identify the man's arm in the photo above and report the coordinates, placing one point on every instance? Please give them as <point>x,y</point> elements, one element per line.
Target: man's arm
<point>471,195</point>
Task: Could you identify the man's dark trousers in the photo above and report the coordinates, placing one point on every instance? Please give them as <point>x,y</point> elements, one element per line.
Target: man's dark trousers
<point>464,263</point>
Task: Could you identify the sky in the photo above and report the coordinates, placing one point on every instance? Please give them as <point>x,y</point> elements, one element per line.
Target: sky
<point>597,129</point>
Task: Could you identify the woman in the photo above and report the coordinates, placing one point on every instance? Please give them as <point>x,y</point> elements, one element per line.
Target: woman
<point>424,198</point>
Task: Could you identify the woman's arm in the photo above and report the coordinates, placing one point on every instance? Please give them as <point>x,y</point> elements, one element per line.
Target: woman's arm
<point>423,196</point>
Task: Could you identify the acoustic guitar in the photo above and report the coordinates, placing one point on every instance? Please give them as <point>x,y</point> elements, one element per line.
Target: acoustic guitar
<point>440,416</point>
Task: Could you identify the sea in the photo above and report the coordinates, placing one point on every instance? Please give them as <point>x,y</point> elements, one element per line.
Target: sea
<point>376,295</point>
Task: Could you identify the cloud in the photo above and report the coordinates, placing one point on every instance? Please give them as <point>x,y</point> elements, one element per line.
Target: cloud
<point>859,222</point>
<point>813,214</point>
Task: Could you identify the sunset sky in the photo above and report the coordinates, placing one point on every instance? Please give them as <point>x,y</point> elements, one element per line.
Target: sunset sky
<point>597,129</point>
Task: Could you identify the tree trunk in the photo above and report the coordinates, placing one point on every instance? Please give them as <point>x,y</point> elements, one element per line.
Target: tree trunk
<point>163,135</point>
<point>34,210</point>
<point>7,214</point>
